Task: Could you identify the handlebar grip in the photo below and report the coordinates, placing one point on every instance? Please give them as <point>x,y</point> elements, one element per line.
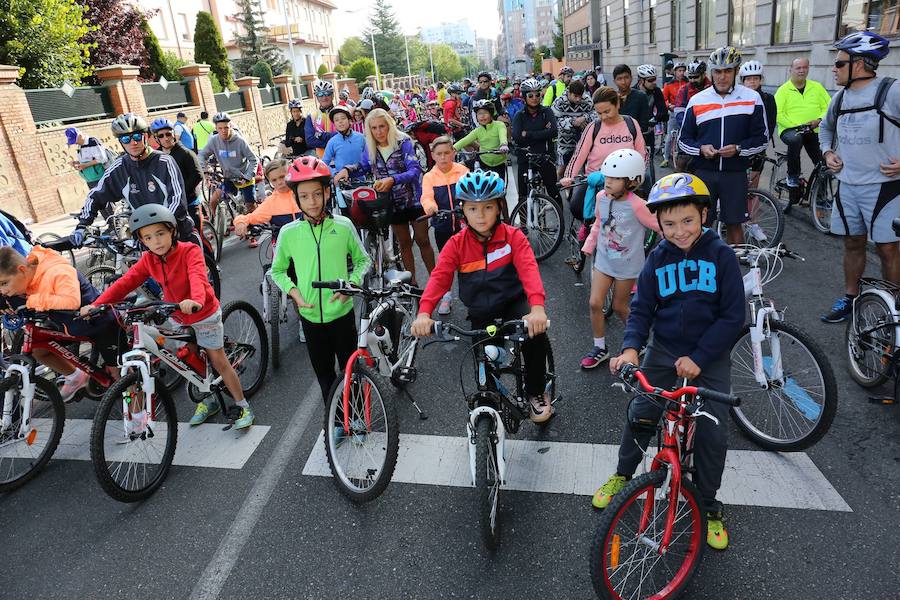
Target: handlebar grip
<point>331,285</point>
<point>715,396</point>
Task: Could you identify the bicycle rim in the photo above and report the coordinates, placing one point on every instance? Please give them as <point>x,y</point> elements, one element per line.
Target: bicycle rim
<point>869,354</point>
<point>487,481</point>
<point>101,276</point>
<point>545,231</point>
<point>766,224</point>
<point>246,344</point>
<point>821,198</point>
<point>625,562</point>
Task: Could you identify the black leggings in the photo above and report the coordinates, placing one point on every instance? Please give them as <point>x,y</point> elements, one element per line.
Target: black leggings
<point>326,342</point>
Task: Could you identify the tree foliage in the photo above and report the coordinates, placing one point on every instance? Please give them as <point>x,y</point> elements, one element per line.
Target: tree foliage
<point>154,66</point>
<point>43,38</point>
<point>323,68</point>
<point>254,41</point>
<point>116,33</point>
<point>263,70</point>
<point>353,48</point>
<point>341,70</point>
<point>209,48</point>
<point>539,55</point>
<point>559,48</point>
<point>447,66</point>
<point>388,40</point>
<point>361,68</point>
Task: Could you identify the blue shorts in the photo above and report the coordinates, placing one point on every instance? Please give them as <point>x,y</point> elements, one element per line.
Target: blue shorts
<point>727,195</point>
<point>248,193</point>
<point>866,209</point>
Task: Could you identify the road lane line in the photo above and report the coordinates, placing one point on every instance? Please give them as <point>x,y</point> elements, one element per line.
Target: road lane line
<point>751,477</point>
<point>216,573</point>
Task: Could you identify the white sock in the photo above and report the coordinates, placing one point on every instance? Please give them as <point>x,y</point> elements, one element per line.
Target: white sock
<point>600,342</point>
<point>243,403</point>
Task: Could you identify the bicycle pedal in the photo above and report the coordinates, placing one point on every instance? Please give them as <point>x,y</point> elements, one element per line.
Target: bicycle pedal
<point>885,400</point>
<point>407,374</point>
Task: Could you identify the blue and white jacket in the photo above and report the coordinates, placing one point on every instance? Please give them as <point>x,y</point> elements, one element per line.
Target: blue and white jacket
<point>738,118</point>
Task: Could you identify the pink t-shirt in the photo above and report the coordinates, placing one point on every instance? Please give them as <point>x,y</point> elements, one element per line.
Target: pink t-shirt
<point>609,139</point>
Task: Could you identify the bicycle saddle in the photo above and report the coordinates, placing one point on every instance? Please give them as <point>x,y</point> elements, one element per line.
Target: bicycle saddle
<point>393,277</point>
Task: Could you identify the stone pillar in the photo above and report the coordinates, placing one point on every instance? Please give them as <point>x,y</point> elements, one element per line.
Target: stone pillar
<point>372,82</point>
<point>197,77</point>
<point>249,87</point>
<point>331,77</point>
<point>351,86</point>
<point>283,82</point>
<point>309,80</point>
<point>124,89</point>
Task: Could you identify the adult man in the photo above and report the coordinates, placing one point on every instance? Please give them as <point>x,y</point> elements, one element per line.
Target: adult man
<point>533,129</point>
<point>724,125</point>
<point>188,164</point>
<point>670,92</point>
<point>573,112</point>
<point>140,175</point>
<point>295,131</point>
<point>659,113</point>
<point>237,161</point>
<point>91,157</point>
<point>452,107</point>
<point>800,102</point>
<point>632,102</point>
<point>183,132</point>
<point>601,78</point>
<point>697,81</point>
<point>860,140</point>
<point>486,92</point>
<point>319,128</point>
<point>557,89</point>
<point>202,130</point>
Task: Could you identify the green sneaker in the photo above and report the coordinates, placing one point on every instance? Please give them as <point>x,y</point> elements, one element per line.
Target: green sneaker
<point>716,534</point>
<point>604,495</point>
<point>203,412</point>
<point>245,420</point>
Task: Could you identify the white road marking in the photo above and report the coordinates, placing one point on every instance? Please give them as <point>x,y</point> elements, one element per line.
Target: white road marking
<point>751,478</point>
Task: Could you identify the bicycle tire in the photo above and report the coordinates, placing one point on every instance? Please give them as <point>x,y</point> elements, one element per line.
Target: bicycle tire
<point>550,225</point>
<point>822,191</point>
<point>799,399</point>
<point>274,318</point>
<point>242,346</point>
<point>106,476</point>
<point>778,181</point>
<point>52,409</point>
<point>374,478</point>
<point>874,372</point>
<point>487,482</point>
<point>212,274</point>
<point>101,276</point>
<point>208,231</point>
<point>766,211</point>
<point>404,339</point>
<point>607,547</point>
<point>48,237</point>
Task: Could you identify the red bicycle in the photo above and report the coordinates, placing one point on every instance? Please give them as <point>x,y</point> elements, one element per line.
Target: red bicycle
<point>651,537</point>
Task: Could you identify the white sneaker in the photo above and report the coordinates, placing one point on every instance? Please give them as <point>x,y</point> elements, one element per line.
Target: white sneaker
<point>757,233</point>
<point>444,306</point>
<point>72,383</point>
<point>300,335</point>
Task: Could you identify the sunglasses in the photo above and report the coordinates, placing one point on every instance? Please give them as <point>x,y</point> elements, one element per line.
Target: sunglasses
<point>840,64</point>
<point>533,95</point>
<point>160,136</point>
<point>693,79</point>
<point>650,80</point>
<point>323,95</point>
<point>484,81</point>
<point>134,137</point>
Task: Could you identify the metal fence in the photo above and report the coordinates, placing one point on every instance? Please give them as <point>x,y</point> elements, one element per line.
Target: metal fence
<point>53,105</point>
<point>270,96</point>
<point>174,95</point>
<point>302,91</point>
<point>233,102</point>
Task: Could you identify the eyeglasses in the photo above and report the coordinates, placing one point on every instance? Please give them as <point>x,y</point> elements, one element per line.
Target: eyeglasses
<point>533,95</point>
<point>133,137</point>
<point>484,81</point>
<point>840,64</point>
<point>650,80</point>
<point>167,134</point>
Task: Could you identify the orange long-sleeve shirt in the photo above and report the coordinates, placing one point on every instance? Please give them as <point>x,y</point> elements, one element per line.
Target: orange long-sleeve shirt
<point>279,209</point>
<point>54,285</point>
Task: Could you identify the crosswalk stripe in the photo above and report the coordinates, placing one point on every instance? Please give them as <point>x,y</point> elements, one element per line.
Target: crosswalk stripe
<point>751,477</point>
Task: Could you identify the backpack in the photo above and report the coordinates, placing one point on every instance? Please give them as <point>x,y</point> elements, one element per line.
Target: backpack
<point>880,95</point>
<point>578,204</point>
<point>19,225</point>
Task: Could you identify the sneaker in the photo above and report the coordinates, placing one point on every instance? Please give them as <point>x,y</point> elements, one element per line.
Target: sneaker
<point>596,357</point>
<point>444,306</point>
<point>664,164</point>
<point>540,409</point>
<point>716,534</point>
<point>300,335</point>
<point>793,182</point>
<point>253,243</point>
<point>757,233</point>
<point>246,418</point>
<point>613,486</point>
<point>839,311</point>
<point>203,412</point>
<point>72,383</point>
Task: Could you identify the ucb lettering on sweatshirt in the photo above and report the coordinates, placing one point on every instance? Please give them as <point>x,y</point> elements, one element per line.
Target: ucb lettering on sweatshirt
<point>694,301</point>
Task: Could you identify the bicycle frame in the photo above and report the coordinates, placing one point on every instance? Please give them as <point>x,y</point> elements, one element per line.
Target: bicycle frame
<point>146,344</point>
<point>889,299</point>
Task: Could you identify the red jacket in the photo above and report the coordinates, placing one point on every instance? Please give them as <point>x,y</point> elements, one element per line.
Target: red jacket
<point>670,91</point>
<point>182,275</point>
<point>491,274</point>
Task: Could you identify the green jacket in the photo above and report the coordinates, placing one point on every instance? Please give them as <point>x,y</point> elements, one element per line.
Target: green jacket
<point>319,253</point>
<point>556,90</point>
<point>489,137</point>
<point>202,130</point>
<point>795,109</point>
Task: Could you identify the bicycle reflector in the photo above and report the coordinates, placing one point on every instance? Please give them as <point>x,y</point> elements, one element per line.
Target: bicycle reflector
<point>491,330</point>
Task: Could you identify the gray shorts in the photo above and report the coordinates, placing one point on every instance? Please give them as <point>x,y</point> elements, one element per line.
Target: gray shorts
<point>867,209</point>
<point>210,332</point>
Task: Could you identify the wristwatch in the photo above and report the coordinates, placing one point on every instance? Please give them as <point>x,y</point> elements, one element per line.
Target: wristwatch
<point>737,149</point>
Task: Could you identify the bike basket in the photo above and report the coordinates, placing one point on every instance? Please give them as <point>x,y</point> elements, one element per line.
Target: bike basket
<point>371,210</point>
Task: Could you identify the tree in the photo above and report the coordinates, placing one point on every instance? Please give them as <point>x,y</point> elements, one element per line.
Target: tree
<point>559,49</point>
<point>388,40</point>
<point>43,38</point>
<point>351,49</point>
<point>116,33</point>
<point>254,41</point>
<point>539,55</point>
<point>154,65</point>
<point>264,72</point>
<point>323,68</point>
<point>341,70</point>
<point>209,48</point>
<point>361,68</point>
<point>470,66</point>
<point>446,63</point>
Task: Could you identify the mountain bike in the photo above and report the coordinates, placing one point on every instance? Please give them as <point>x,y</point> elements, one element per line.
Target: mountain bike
<point>873,335</point>
<point>783,376</point>
<point>135,428</point>
<point>651,537</point>
<point>540,216</point>
<point>497,407</point>
<point>276,304</point>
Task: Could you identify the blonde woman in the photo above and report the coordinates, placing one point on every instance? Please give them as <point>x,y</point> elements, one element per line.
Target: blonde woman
<point>389,156</point>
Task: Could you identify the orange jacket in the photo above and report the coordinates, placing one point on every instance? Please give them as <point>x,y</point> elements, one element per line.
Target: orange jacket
<point>55,284</point>
<point>439,187</point>
<point>279,209</point>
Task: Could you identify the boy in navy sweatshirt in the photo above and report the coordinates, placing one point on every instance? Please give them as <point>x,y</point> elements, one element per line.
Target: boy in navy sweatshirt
<point>691,294</point>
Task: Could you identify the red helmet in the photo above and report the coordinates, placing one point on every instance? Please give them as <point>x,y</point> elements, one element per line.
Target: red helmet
<point>307,168</point>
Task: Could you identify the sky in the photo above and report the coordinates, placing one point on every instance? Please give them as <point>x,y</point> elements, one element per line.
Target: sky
<point>414,14</point>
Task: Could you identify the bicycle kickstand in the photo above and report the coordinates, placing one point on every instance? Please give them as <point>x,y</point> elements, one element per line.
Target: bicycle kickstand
<point>422,415</point>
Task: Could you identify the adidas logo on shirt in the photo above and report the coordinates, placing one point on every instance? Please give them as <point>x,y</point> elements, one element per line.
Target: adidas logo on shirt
<point>613,139</point>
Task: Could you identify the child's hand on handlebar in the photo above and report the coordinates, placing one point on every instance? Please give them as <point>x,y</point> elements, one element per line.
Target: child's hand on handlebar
<point>423,326</point>
<point>189,307</point>
<point>566,181</point>
<point>240,229</point>
<point>628,356</point>
<point>537,321</point>
<point>85,310</point>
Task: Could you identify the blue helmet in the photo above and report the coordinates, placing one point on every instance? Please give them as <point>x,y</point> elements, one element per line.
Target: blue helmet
<point>864,43</point>
<point>480,186</point>
<point>159,124</point>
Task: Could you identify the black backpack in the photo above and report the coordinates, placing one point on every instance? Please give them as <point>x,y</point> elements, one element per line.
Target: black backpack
<point>880,95</point>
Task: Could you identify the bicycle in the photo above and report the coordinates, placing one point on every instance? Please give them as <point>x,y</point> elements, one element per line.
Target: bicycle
<point>790,393</point>
<point>494,409</point>
<point>371,212</point>
<point>539,217</point>
<point>873,332</point>
<point>765,227</point>
<point>361,446</point>
<point>651,537</point>
<point>130,453</point>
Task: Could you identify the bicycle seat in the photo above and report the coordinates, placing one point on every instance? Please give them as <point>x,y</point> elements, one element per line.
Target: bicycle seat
<point>394,277</point>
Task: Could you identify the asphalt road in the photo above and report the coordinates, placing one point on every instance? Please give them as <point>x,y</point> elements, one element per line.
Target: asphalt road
<point>268,531</point>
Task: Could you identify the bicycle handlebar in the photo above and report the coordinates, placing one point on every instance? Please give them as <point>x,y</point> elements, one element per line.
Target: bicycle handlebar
<point>518,325</point>
<point>752,252</point>
<point>441,214</point>
<point>633,376</point>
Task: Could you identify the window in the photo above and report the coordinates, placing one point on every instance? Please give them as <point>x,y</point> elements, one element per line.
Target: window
<point>881,17</point>
<point>158,25</point>
<point>679,25</point>
<point>652,21</point>
<point>607,28</point>
<point>741,22</point>
<point>186,27</point>
<point>706,24</point>
<point>625,23</point>
<point>793,20</point>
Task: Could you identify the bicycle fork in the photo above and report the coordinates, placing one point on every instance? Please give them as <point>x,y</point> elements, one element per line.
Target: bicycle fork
<point>28,388</point>
<point>757,335</point>
<point>500,444</point>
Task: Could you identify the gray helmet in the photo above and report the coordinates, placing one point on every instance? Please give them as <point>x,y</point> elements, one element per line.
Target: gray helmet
<point>295,103</point>
<point>128,123</point>
<point>221,117</point>
<point>150,214</point>
<point>323,89</point>
<point>368,93</point>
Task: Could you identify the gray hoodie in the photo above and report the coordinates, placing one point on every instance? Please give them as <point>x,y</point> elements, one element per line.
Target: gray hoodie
<point>233,156</point>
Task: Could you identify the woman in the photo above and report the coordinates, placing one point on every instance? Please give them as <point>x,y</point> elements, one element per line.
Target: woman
<point>591,84</point>
<point>391,158</point>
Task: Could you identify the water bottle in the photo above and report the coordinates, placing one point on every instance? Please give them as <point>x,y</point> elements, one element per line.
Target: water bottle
<point>497,355</point>
<point>191,359</point>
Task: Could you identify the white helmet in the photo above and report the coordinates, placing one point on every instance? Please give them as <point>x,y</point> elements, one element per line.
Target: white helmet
<point>628,164</point>
<point>645,71</point>
<point>751,67</point>
<point>323,89</point>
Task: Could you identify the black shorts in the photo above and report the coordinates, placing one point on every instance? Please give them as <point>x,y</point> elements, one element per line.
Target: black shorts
<point>728,195</point>
<point>406,215</point>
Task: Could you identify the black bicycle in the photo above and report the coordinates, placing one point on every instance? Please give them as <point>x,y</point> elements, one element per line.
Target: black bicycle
<point>539,216</point>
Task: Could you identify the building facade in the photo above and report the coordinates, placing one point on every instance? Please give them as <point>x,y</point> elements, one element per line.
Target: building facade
<point>457,32</point>
<point>484,50</point>
<point>524,24</point>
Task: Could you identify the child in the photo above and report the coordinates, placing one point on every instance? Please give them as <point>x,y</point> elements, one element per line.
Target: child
<point>620,220</point>
<point>439,193</point>
<point>490,135</point>
<point>359,120</point>
<point>691,294</point>
<point>319,246</point>
<point>498,278</point>
<point>180,269</point>
<point>48,282</point>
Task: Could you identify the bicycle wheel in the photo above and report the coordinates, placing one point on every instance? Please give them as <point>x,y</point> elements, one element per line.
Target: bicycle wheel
<point>487,481</point>
<point>793,413</point>
<point>766,225</point>
<point>212,274</point>
<point>131,456</point>
<point>23,456</point>
<point>46,238</point>
<point>778,180</point>
<point>209,232</point>
<point>101,276</point>
<point>545,231</point>
<point>821,198</point>
<point>625,562</point>
<point>362,459</point>
<point>869,354</point>
<point>274,318</point>
<point>403,343</point>
<point>246,344</point>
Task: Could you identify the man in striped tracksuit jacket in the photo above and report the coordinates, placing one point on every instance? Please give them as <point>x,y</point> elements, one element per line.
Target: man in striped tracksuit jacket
<point>724,125</point>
